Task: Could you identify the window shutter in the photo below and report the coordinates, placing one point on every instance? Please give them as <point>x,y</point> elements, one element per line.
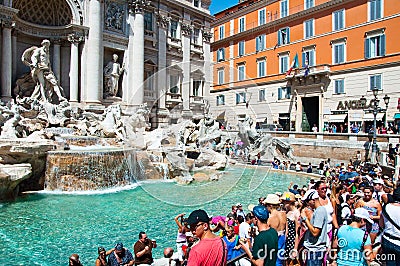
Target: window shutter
<point>237,98</point>
<point>311,58</point>
<point>382,43</point>
<point>378,9</point>
<point>288,35</point>
<point>279,93</point>
<point>279,37</point>
<point>303,59</point>
<point>367,52</point>
<point>378,80</point>
<point>257,43</point>
<point>223,53</point>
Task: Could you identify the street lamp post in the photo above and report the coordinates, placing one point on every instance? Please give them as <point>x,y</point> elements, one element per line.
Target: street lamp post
<point>375,110</point>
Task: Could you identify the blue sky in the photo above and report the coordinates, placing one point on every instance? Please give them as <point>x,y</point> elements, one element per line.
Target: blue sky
<point>219,5</point>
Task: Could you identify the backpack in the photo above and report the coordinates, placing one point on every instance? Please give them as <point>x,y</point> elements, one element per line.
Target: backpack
<point>339,218</point>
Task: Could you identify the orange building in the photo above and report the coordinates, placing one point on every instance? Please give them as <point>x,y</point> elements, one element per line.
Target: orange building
<point>344,49</point>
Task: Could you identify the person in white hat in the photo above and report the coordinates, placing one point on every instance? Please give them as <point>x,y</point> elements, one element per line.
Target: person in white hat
<point>352,241</point>
<point>378,189</point>
<point>316,237</point>
<point>277,220</point>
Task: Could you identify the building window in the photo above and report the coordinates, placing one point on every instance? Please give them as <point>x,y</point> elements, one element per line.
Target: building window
<point>221,32</point>
<point>375,9</point>
<point>148,21</point>
<point>196,87</point>
<point>260,43</point>
<point>284,36</point>
<point>174,84</point>
<point>261,68</point>
<point>195,36</point>
<point>173,31</point>
<point>308,4</point>
<point>308,57</point>
<point>221,74</point>
<point>221,54</point>
<point>196,3</point>
<point>338,20</point>
<point>309,28</point>
<point>284,93</point>
<point>284,8</point>
<point>261,95</point>
<point>220,100</point>
<point>242,24</point>
<point>338,50</point>
<point>339,86</point>
<point>261,17</point>
<point>241,48</point>
<point>283,63</point>
<point>375,46</point>
<point>240,97</point>
<point>241,72</point>
<point>149,81</point>
<point>375,81</point>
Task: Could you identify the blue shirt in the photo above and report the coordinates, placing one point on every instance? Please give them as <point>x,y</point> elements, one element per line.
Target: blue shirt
<point>112,260</point>
<point>349,242</point>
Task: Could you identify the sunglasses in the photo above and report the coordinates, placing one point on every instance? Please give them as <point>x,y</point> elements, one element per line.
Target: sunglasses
<point>194,228</point>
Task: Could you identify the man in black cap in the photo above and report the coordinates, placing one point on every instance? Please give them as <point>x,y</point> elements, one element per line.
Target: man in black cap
<point>211,249</point>
<point>265,245</point>
<point>120,256</point>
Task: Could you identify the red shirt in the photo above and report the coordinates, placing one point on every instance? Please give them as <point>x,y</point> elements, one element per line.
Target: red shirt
<point>208,252</point>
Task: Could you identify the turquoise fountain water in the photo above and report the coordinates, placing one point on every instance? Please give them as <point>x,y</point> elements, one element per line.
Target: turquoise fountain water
<point>44,229</point>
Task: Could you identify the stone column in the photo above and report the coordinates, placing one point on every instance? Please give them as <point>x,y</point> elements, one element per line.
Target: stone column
<point>6,62</point>
<point>57,58</point>
<point>94,73</point>
<point>75,39</point>
<point>133,96</point>
<point>207,35</point>
<point>162,84</point>
<point>186,35</point>
<point>15,59</point>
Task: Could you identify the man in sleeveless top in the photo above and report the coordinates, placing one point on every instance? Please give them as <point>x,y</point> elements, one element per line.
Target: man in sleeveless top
<point>210,250</point>
<point>277,220</point>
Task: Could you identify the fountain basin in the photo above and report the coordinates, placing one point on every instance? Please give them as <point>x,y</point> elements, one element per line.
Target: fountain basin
<point>92,168</point>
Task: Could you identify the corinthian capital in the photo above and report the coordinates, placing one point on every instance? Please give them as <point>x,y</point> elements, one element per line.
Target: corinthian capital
<point>207,36</point>
<point>162,21</point>
<point>186,29</point>
<point>138,6</point>
<point>75,37</point>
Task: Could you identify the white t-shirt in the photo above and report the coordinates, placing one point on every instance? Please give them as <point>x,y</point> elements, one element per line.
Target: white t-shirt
<point>244,229</point>
<point>394,212</point>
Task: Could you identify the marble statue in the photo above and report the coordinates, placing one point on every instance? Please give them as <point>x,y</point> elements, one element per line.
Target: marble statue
<point>112,71</point>
<point>38,59</point>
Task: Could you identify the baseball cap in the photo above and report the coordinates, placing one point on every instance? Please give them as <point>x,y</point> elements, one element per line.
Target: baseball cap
<point>363,213</point>
<point>198,216</point>
<point>238,204</point>
<point>310,194</point>
<point>119,246</point>
<point>260,212</point>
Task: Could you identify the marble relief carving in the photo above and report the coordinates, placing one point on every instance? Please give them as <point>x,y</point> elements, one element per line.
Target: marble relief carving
<point>186,29</point>
<point>114,16</point>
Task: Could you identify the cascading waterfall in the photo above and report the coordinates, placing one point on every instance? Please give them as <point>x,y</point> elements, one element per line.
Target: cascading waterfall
<point>86,169</point>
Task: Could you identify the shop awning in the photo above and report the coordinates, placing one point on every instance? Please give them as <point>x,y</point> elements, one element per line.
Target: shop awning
<point>396,116</point>
<point>261,119</point>
<point>355,117</point>
<point>337,118</point>
<point>221,116</point>
<point>370,116</point>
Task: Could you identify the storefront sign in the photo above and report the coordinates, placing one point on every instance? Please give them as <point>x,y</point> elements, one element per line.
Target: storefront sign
<point>353,105</point>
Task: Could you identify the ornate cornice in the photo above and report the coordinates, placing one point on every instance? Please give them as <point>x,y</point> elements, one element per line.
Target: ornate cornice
<point>49,32</point>
<point>75,37</point>
<point>186,28</point>
<point>162,21</point>
<point>138,6</point>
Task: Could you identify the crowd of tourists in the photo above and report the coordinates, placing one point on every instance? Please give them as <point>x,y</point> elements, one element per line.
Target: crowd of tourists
<point>347,215</point>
